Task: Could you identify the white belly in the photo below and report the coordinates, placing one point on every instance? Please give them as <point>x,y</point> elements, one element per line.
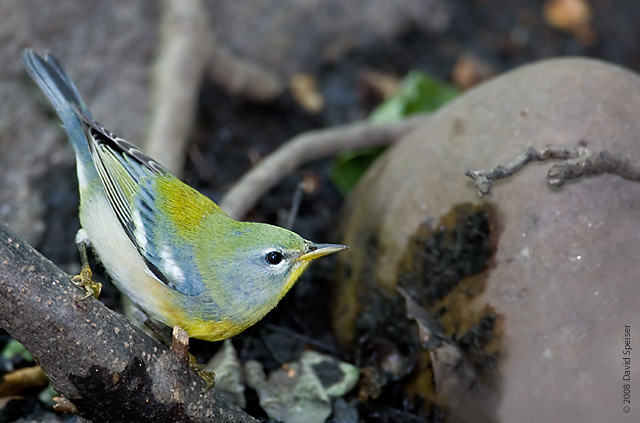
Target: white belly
<point>121,259</point>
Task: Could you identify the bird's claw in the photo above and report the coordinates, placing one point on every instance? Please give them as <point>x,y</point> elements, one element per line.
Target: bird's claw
<point>83,280</point>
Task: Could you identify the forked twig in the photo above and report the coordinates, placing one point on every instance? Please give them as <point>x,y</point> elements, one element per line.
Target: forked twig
<point>577,162</point>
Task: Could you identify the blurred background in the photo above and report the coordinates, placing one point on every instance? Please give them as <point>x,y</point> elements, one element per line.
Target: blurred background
<point>324,63</point>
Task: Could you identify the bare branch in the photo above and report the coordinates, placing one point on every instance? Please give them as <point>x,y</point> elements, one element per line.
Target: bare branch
<point>593,163</point>
<point>184,52</point>
<point>306,147</point>
<point>108,369</point>
<point>187,50</point>
<point>578,162</point>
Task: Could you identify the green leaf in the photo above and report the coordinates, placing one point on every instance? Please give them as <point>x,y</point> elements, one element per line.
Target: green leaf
<point>15,348</point>
<point>47,395</point>
<point>348,167</point>
<point>419,93</point>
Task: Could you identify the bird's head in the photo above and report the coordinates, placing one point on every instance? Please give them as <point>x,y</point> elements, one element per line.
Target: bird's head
<point>263,262</point>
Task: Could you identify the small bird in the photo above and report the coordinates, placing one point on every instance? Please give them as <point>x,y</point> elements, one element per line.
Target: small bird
<point>166,246</point>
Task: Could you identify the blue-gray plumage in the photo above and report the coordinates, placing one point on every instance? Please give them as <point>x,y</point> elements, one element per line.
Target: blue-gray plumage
<point>170,249</point>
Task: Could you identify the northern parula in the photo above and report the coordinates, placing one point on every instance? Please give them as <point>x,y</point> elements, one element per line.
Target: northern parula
<point>169,248</point>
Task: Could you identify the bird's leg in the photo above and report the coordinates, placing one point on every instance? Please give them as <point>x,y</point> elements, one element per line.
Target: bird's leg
<point>84,280</point>
<point>180,348</point>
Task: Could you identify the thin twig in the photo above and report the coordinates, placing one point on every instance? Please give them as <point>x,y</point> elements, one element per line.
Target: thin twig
<point>180,345</point>
<point>593,163</point>
<point>306,147</point>
<point>295,206</point>
<point>577,162</point>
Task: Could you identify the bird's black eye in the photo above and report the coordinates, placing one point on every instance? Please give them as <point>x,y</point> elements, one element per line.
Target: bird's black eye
<point>274,257</point>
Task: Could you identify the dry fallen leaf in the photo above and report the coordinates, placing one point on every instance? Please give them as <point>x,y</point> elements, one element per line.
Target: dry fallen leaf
<point>63,405</point>
<point>304,88</point>
<point>572,16</point>
<point>20,380</point>
<point>470,70</point>
<point>456,381</point>
<point>387,85</point>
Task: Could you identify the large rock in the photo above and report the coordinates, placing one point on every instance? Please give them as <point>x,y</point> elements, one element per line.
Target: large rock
<point>562,282</point>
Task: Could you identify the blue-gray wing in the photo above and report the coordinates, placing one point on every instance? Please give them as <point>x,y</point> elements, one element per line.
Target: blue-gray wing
<point>128,177</point>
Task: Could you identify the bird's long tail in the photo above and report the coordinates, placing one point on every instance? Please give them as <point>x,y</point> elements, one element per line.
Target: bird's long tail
<point>57,86</point>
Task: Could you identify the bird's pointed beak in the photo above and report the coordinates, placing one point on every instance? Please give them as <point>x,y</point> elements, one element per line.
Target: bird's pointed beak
<point>318,250</point>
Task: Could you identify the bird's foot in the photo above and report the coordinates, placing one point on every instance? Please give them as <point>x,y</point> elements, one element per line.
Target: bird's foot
<point>83,280</point>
